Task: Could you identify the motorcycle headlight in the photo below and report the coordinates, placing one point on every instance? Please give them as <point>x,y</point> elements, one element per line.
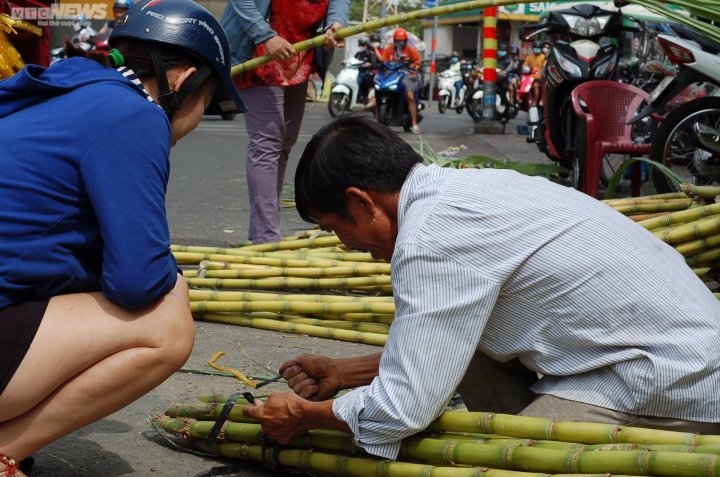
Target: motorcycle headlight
<point>597,25</point>
<point>577,24</point>
<point>570,68</point>
<point>393,87</point>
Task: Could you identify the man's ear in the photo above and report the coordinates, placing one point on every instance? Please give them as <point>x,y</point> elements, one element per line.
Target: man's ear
<point>360,199</point>
<point>182,77</point>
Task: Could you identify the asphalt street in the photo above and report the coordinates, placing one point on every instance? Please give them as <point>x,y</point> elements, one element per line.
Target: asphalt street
<point>207,204</point>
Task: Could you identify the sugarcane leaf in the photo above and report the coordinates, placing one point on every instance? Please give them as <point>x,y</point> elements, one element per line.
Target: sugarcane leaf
<point>615,179</point>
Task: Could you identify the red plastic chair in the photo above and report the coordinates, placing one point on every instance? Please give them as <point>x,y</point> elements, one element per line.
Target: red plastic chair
<point>611,105</point>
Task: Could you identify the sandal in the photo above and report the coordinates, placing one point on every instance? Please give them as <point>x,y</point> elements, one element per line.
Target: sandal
<point>11,466</point>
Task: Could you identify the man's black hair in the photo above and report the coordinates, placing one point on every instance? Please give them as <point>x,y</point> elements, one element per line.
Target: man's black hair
<point>352,151</point>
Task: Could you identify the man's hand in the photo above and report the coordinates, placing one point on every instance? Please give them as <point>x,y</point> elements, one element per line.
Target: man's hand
<point>312,377</point>
<point>330,41</point>
<point>279,417</point>
<point>280,49</point>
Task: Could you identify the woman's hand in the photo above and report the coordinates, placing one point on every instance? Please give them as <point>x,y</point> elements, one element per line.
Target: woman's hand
<point>280,49</point>
<point>330,41</point>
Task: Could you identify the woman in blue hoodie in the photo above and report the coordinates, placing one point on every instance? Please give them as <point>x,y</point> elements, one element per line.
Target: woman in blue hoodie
<point>93,311</point>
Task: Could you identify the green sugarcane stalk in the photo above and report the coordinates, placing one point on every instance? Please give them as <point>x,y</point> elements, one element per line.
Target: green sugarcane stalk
<point>638,462</point>
<point>704,258</point>
<point>291,307</point>
<point>252,433</point>
<point>695,246</point>
<point>665,196</point>
<point>306,255</point>
<point>299,254</point>
<point>365,327</point>
<point>692,7</point>
<point>706,192</point>
<point>640,201</point>
<point>356,271</point>
<point>663,207</point>
<point>680,217</point>
<point>373,339</point>
<point>377,24</point>
<point>334,464</point>
<point>641,217</point>
<point>342,325</point>
<point>386,319</point>
<point>208,412</point>
<point>214,250</point>
<point>690,231</point>
<point>284,283</point>
<point>294,244</point>
<point>272,262</point>
<point>187,258</point>
<point>566,431</point>
<point>201,295</point>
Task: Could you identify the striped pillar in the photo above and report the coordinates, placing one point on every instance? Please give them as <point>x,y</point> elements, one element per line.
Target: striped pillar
<point>489,62</point>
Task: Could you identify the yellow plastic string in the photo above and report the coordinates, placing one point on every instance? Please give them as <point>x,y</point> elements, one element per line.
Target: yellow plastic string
<point>234,372</point>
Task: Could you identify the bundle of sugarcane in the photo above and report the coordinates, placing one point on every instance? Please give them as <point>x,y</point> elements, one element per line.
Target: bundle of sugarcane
<point>461,444</point>
<point>355,305</point>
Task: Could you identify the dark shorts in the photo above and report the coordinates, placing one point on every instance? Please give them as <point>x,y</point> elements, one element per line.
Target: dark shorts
<point>19,324</point>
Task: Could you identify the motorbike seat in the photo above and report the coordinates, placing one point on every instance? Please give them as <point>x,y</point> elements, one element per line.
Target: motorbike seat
<point>707,45</point>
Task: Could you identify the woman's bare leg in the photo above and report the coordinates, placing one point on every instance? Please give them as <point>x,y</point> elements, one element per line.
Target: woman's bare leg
<point>89,359</point>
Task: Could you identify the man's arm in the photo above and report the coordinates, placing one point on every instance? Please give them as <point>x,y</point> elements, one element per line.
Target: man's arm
<point>442,307</point>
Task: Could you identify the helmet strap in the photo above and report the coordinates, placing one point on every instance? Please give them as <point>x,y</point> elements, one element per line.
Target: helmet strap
<point>171,100</point>
<point>194,83</point>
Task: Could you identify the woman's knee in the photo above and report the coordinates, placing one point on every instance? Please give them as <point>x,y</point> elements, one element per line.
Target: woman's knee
<point>174,327</point>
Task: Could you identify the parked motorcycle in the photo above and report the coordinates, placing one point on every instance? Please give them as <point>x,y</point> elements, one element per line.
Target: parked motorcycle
<point>345,93</point>
<point>556,130</point>
<point>392,108</point>
<point>676,142</point>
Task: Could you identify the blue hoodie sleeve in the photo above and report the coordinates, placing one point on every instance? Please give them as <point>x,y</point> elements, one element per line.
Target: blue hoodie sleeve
<point>125,173</point>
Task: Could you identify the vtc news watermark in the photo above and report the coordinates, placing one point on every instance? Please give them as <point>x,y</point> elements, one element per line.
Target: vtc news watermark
<point>60,14</point>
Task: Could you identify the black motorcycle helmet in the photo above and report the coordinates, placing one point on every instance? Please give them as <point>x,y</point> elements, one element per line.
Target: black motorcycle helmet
<point>375,37</point>
<point>184,24</point>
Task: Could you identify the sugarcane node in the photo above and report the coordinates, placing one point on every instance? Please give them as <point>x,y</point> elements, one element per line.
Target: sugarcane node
<point>573,461</point>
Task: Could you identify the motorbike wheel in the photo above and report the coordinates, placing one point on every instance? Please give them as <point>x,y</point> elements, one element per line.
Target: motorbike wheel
<point>577,170</point>
<point>228,117</point>
<point>459,109</point>
<point>443,104</point>
<point>474,109</point>
<point>675,143</point>
<point>384,114</point>
<point>338,104</point>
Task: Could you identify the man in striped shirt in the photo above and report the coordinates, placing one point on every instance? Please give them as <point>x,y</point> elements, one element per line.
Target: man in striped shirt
<point>516,268</point>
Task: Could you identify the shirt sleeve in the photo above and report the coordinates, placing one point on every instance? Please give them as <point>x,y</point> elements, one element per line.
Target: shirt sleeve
<point>337,12</point>
<point>252,20</point>
<point>441,310</point>
<point>125,173</point>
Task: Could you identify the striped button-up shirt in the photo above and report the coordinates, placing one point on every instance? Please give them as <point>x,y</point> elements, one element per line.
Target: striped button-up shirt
<point>517,266</point>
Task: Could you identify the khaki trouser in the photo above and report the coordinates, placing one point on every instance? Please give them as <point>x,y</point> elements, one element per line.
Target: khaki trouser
<point>506,386</point>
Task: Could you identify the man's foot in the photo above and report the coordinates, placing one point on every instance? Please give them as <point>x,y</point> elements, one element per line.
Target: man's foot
<point>415,129</point>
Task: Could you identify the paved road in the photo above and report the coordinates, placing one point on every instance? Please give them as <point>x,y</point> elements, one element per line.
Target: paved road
<point>207,205</point>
